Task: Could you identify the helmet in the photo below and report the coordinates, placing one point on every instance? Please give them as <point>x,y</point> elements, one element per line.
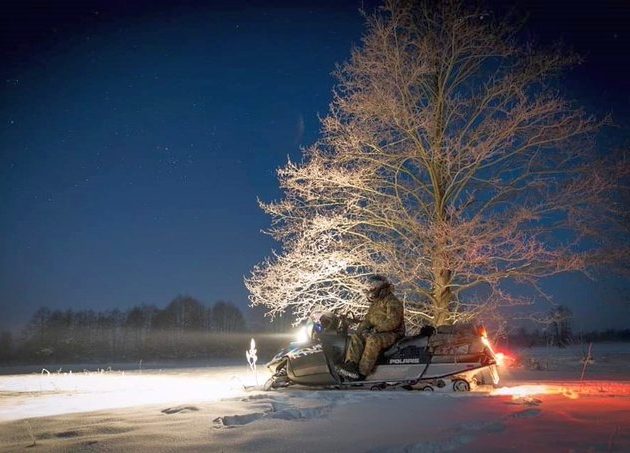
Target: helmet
<point>376,282</point>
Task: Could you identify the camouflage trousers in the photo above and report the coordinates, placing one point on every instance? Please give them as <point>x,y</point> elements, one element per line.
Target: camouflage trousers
<point>365,347</point>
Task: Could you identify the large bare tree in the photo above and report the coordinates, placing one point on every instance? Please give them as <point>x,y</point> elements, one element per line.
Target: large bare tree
<point>449,162</point>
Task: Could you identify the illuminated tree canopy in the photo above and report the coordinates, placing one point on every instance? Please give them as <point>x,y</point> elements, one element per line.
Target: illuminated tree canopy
<point>449,162</point>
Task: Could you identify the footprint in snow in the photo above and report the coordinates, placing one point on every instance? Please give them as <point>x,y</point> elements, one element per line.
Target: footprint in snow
<point>301,414</point>
<point>527,413</point>
<point>260,396</point>
<point>274,410</point>
<point>228,421</point>
<point>179,409</point>
<point>526,401</point>
<point>67,434</point>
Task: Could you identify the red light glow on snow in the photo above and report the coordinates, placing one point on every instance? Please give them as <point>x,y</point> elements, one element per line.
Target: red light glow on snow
<point>531,390</point>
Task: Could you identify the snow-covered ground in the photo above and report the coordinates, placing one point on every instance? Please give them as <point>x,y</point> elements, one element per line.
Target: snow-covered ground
<point>543,406</point>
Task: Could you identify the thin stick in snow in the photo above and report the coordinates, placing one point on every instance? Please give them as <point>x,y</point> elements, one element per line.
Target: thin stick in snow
<point>252,358</point>
<point>586,360</point>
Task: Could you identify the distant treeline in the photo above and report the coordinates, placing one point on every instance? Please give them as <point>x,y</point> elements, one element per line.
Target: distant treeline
<point>184,329</point>
<point>550,337</point>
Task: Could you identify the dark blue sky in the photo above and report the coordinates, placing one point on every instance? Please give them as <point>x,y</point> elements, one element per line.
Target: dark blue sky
<point>135,138</point>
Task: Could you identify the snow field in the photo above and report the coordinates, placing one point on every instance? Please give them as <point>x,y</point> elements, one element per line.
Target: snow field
<point>208,409</point>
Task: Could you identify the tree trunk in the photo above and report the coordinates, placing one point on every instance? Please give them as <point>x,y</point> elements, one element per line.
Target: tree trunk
<point>442,296</point>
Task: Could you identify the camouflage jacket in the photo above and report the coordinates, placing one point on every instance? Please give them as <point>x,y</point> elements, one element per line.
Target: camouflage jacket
<point>386,314</point>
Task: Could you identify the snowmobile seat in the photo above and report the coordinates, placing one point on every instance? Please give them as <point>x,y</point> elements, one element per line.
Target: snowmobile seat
<point>419,341</point>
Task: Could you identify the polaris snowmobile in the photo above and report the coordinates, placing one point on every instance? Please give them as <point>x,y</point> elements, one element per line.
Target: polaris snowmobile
<point>444,358</point>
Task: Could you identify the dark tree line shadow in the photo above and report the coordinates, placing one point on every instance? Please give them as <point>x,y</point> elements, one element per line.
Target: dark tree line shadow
<point>185,329</point>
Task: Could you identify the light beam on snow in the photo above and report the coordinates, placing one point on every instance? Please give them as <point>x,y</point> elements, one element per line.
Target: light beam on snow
<point>62,393</point>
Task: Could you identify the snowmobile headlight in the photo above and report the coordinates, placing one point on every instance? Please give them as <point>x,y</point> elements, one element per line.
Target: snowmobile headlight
<point>303,334</point>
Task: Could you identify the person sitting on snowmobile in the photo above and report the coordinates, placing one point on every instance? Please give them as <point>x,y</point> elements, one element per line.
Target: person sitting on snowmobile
<point>382,327</point>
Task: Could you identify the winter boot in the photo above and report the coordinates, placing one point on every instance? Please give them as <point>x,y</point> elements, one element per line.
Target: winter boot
<point>349,371</point>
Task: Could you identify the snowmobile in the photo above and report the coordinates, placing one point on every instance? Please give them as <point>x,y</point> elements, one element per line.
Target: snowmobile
<point>449,357</point>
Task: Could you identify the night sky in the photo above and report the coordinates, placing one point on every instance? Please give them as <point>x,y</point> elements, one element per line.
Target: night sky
<point>135,138</point>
